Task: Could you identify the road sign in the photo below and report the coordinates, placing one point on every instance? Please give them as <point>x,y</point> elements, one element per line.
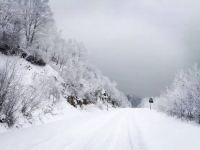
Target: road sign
<point>150,102</point>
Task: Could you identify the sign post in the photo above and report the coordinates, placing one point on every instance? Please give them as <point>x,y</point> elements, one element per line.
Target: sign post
<point>150,102</point>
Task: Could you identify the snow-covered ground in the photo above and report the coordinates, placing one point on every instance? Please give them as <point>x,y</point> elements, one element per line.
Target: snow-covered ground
<point>117,129</point>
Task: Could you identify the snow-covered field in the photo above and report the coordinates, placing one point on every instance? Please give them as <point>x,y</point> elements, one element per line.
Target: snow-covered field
<point>117,129</point>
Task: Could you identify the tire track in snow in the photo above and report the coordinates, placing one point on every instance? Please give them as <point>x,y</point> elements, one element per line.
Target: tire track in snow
<point>117,133</point>
<point>84,142</point>
<point>135,133</point>
<point>59,135</point>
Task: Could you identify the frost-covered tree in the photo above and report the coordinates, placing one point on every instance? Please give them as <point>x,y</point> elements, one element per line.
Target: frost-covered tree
<point>182,99</point>
<point>134,100</point>
<point>36,16</point>
<point>10,24</point>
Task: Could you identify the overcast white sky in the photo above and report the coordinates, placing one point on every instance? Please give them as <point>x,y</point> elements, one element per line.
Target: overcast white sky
<point>140,44</point>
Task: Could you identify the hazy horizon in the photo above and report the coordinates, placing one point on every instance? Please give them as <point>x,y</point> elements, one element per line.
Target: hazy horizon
<point>139,44</point>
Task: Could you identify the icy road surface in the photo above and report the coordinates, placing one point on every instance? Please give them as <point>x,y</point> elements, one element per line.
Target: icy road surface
<point>120,129</point>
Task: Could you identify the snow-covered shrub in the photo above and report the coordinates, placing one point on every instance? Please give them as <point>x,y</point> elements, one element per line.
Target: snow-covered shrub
<point>36,60</point>
<point>50,94</point>
<point>10,93</point>
<point>182,99</point>
<point>30,102</point>
<point>16,99</point>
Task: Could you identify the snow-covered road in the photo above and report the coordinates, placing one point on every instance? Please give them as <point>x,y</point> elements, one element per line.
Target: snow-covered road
<point>120,129</point>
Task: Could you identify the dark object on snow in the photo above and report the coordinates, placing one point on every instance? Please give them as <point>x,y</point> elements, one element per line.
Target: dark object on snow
<point>36,61</point>
<point>2,119</point>
<point>87,102</point>
<point>115,104</point>
<point>4,48</point>
<point>74,101</point>
<point>24,55</point>
<point>40,62</point>
<point>7,50</point>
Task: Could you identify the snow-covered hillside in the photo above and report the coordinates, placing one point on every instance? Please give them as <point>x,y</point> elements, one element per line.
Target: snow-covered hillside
<point>34,91</point>
<point>118,129</point>
<point>38,91</point>
<point>30,74</point>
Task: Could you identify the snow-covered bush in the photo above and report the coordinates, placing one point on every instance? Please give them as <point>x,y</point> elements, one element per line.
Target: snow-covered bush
<point>22,99</point>
<point>30,102</point>
<point>10,93</point>
<point>182,99</point>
